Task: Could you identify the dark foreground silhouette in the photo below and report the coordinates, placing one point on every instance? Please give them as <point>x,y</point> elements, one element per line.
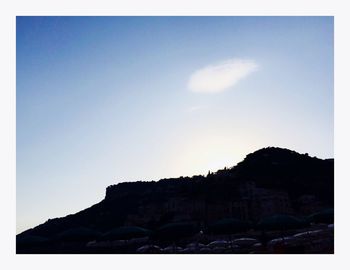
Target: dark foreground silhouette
<point>274,201</point>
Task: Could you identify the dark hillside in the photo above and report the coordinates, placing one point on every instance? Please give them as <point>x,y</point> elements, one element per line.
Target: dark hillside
<point>280,168</point>
<point>251,190</point>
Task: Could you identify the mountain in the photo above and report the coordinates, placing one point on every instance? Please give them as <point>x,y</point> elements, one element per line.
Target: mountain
<point>269,181</point>
<point>280,168</point>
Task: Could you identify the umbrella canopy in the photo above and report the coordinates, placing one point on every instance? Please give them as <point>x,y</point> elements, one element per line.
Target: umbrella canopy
<point>218,243</point>
<point>78,234</point>
<point>325,216</point>
<point>173,231</point>
<point>228,226</point>
<point>171,249</point>
<point>280,222</point>
<point>126,232</point>
<point>282,240</point>
<point>315,234</point>
<point>195,245</point>
<point>245,242</point>
<point>205,250</point>
<point>149,249</point>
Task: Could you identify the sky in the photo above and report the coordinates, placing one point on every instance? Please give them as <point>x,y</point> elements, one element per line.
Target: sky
<point>103,100</point>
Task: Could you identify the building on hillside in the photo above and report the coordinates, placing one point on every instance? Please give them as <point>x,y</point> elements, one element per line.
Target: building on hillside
<point>264,202</point>
<point>252,204</point>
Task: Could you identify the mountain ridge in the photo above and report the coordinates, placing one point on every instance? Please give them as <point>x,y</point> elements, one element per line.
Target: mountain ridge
<point>270,169</point>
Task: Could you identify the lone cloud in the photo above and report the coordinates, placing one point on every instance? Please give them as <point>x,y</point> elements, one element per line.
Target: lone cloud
<point>221,76</point>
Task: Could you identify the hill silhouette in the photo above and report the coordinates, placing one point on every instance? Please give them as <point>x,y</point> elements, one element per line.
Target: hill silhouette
<point>269,181</point>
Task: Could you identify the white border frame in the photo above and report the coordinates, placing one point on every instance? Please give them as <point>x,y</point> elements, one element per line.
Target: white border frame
<point>10,9</point>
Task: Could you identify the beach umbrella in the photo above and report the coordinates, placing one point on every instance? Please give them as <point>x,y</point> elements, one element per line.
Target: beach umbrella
<point>324,216</point>
<point>228,226</point>
<point>284,240</point>
<point>126,233</point>
<point>309,234</point>
<point>174,231</point>
<point>257,247</point>
<point>280,222</point>
<point>245,242</point>
<point>195,245</point>
<point>78,234</point>
<point>205,250</point>
<point>149,249</point>
<point>218,243</point>
<point>172,249</point>
<point>188,250</point>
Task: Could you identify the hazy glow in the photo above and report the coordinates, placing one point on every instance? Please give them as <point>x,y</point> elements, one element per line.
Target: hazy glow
<point>221,76</point>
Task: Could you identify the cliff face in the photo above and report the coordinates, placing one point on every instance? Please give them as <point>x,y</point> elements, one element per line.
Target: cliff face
<point>268,181</point>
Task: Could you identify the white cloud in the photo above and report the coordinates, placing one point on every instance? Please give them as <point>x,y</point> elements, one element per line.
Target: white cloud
<point>221,76</point>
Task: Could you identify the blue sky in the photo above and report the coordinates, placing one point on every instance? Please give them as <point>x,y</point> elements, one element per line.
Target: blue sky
<point>102,100</point>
